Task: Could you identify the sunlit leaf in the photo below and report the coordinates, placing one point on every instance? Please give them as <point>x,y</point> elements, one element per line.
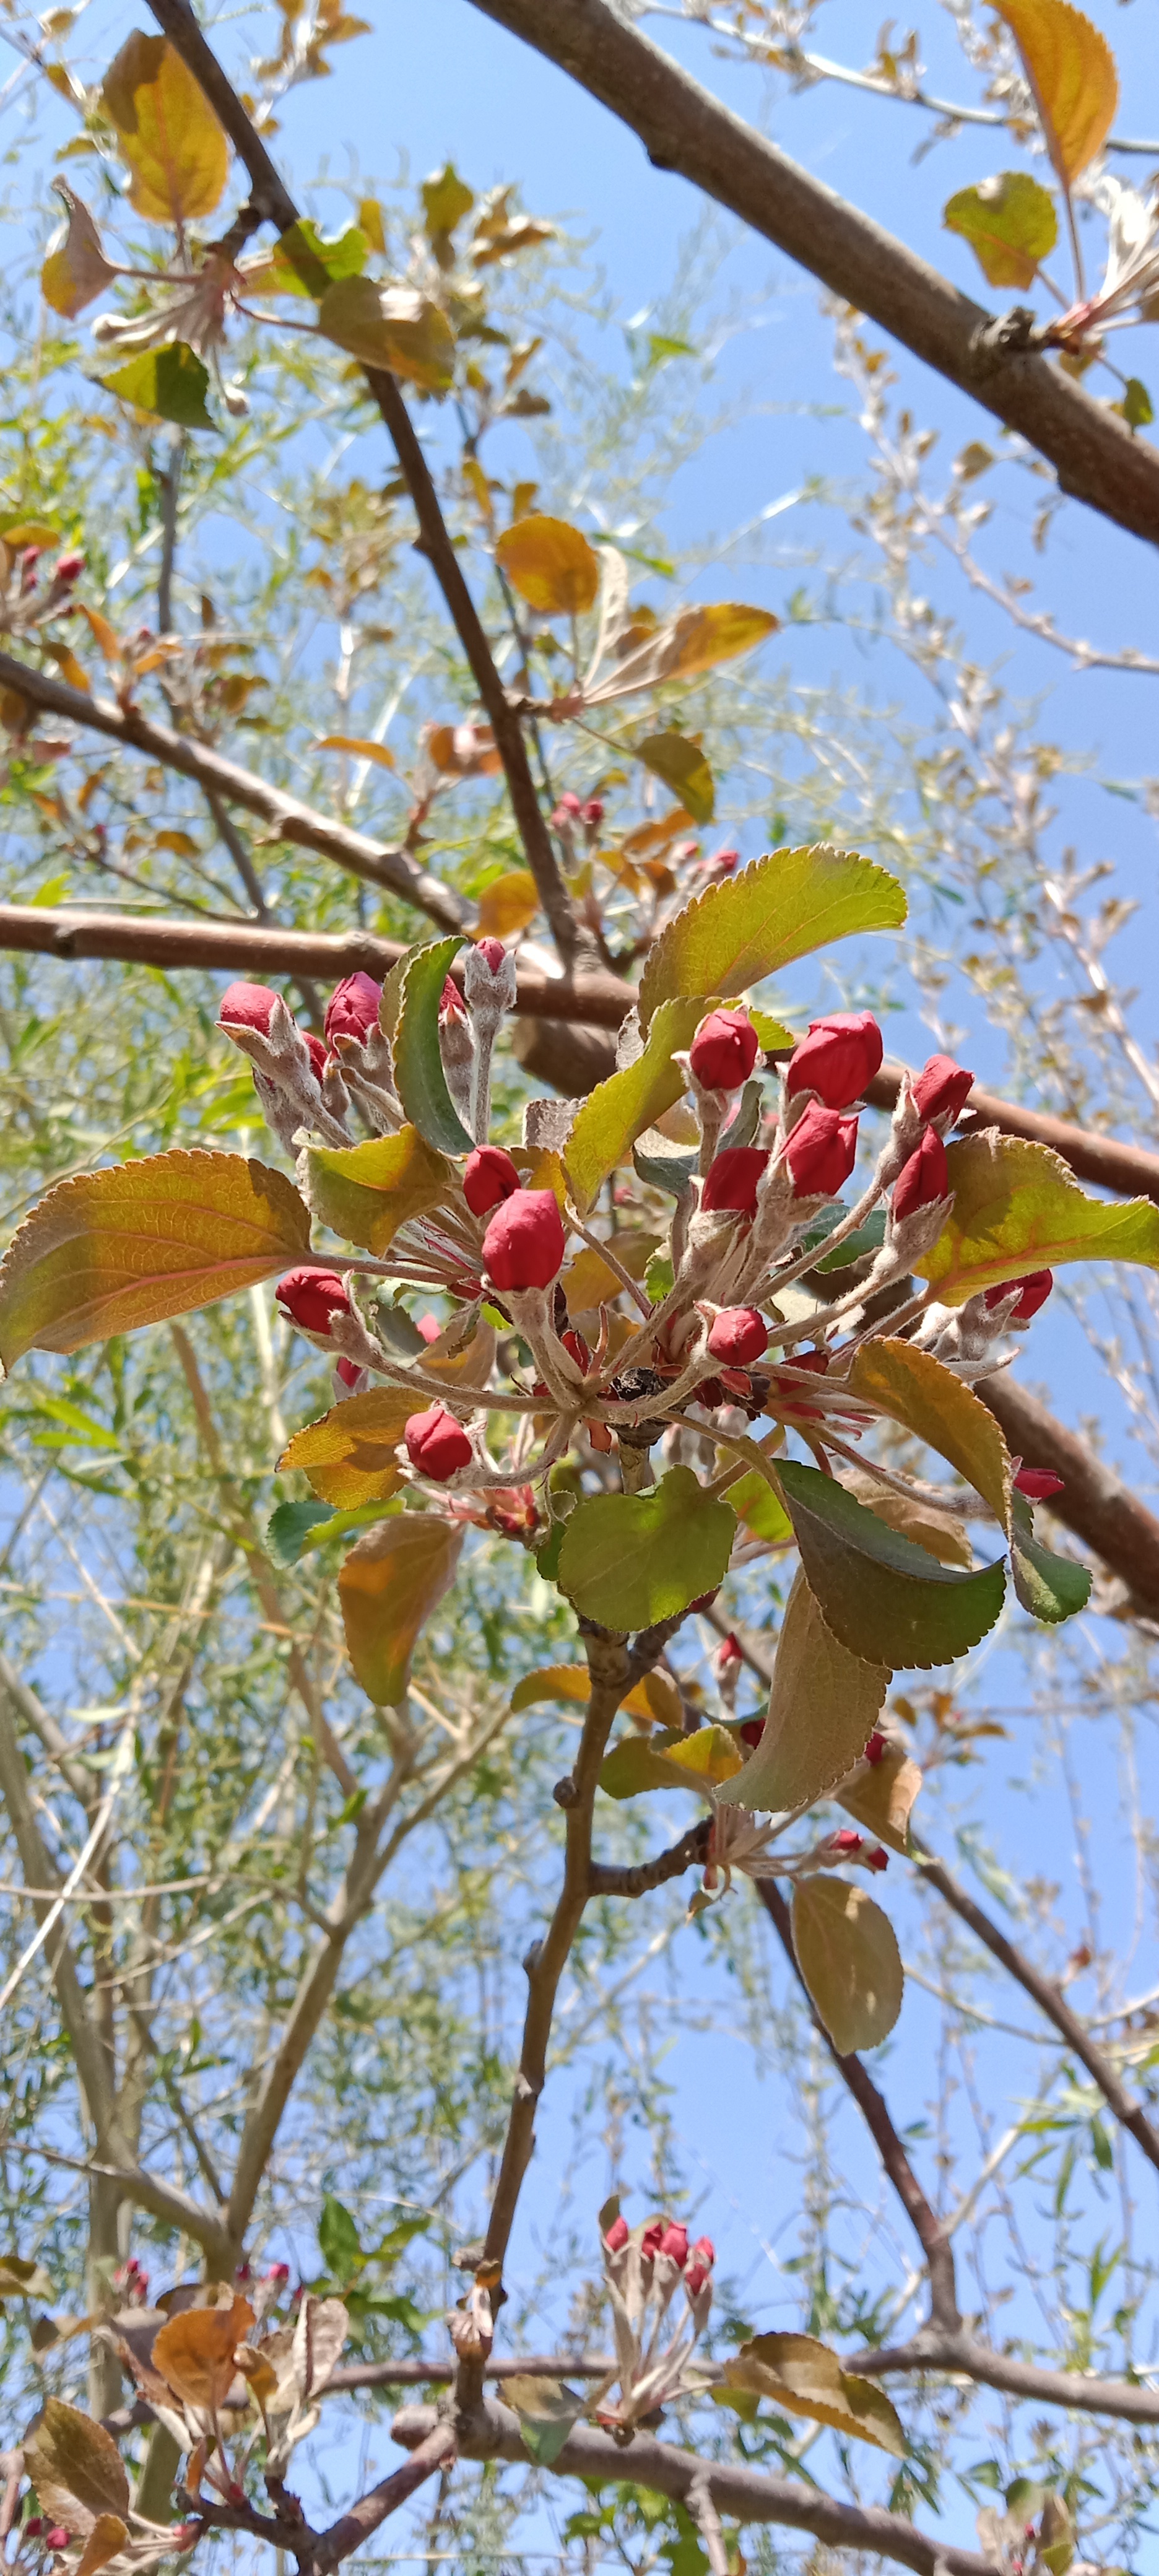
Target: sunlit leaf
<point>571,1683</point>
<point>756,1505</point>
<point>620,1109</point>
<point>365,1192</point>
<point>919,1391</point>
<point>1010,224</point>
<point>1017,1207</point>
<point>76,270</point>
<point>551,565</point>
<point>1050,1586</point>
<point>418,1064</point>
<point>805,2378</point>
<point>508,904</point>
<point>357,748</point>
<point>823,1706</point>
<point>391,327</point>
<point>695,640</point>
<point>105,2540</point>
<point>1071,71</point>
<point>628,1560</point>
<point>848,1956</point>
<point>174,149</point>
<point>304,262</point>
<point>75,2467</point>
<point>390,1584</point>
<point>683,767</point>
<point>171,383</point>
<point>882,1795</point>
<point>882,1596</point>
<point>751,925</point>
<point>141,1242</point>
<point>348,1456</point>
<point>700,1761</point>
<point>194,2351</point>
<point>446,199</point>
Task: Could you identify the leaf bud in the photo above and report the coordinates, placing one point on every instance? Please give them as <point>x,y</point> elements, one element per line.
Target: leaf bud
<point>1038,1483</point>
<point>524,1244</point>
<point>310,1297</point>
<point>841,1054</point>
<point>352,1010</point>
<point>821,1152</point>
<point>941,1091</point>
<point>724,1050</point>
<point>248,1006</point>
<point>733,1178</point>
<point>1034,1289</point>
<point>674,2243</point>
<point>924,1181</point>
<point>738,1335</point>
<point>436,1444</point>
<point>617,2236</point>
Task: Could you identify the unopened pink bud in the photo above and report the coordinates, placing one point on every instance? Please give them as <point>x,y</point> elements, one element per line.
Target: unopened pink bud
<point>617,2235</point>
<point>436,1444</point>
<point>877,1747</point>
<point>845,1840</point>
<point>489,1178</point>
<point>728,1652</point>
<point>876,1858</point>
<point>821,1152</point>
<point>733,1178</point>
<point>311,1297</point>
<point>652,2240</point>
<point>524,1244</point>
<point>738,1336</point>
<point>593,813</point>
<point>923,1180</point>
<point>429,1327</point>
<point>278,2272</point>
<point>840,1055</point>
<point>451,1003</point>
<point>316,1051</point>
<point>751,1731</point>
<point>492,952</point>
<point>28,563</point>
<point>349,1372</point>
<point>352,1010</point>
<point>568,810</point>
<point>1039,1483</point>
<point>1034,1289</point>
<point>34,2526</point>
<point>58,2537</point>
<point>674,2243</point>
<point>942,1089</point>
<point>704,2251</point>
<point>67,567</point>
<point>247,1006</point>
<point>724,1050</point>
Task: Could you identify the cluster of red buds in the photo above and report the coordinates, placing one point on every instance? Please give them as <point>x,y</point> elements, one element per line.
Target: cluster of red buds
<point>27,602</point>
<point>644,2270</point>
<point>576,815</point>
<point>53,2534</point>
<point>133,2283</point>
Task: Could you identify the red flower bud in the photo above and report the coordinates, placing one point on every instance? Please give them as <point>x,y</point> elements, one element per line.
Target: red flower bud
<point>674,2242</point>
<point>247,1006</point>
<point>524,1244</point>
<point>577,1349</point>
<point>652,2240</point>
<point>316,1052</point>
<point>877,1747</point>
<point>722,863</point>
<point>352,1010</point>
<point>923,1180</point>
<point>436,1444</point>
<point>877,1858</point>
<point>1034,1290</point>
<point>593,813</point>
<point>732,1181</point>
<point>738,1335</point>
<point>821,1152</point>
<point>349,1372</point>
<point>67,567</point>
<point>568,810</point>
<point>942,1089</point>
<point>840,1055</point>
<point>451,1003</point>
<point>58,2537</point>
<point>492,952</point>
<point>724,1050</point>
<point>751,1731</point>
<point>695,2278</point>
<point>704,2251</point>
<point>278,2272</point>
<point>728,1652</point>
<point>429,1327</point>
<point>1039,1483</point>
<point>617,2235</point>
<point>489,1178</point>
<point>704,1600</point>
<point>310,1297</point>
<point>28,563</point>
<point>845,1841</point>
<point>34,2526</point>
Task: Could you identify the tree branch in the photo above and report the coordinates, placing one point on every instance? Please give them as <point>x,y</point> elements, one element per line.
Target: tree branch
<point>606,1878</point>
<point>685,129</point>
<point>927,2226</point>
<point>744,2494</point>
<point>435,2451</point>
<point>962,2357</point>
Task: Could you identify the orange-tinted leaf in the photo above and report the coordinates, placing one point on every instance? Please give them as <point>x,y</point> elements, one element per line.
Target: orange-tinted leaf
<point>389,1585</point>
<point>349,1455</point>
<point>551,565</point>
<point>76,270</point>
<point>175,150</point>
<point>507,904</point>
<point>195,2352</point>
<point>1071,70</point>
<point>107,2537</point>
<point>358,749</point>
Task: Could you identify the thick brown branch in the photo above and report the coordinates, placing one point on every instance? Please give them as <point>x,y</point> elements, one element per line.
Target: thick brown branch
<point>608,1878</point>
<point>685,129</point>
<point>745,2495</point>
<point>1048,1997</point>
<point>927,2226</point>
<point>963,2358</point>
<point>435,2451</point>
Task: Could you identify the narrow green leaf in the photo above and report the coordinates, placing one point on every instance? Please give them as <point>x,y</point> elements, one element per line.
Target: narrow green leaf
<point>418,1064</point>
<point>631,1559</point>
<point>630,1101</point>
<point>171,383</point>
<point>751,925</point>
<point>1051,1587</point>
<point>881,1595</point>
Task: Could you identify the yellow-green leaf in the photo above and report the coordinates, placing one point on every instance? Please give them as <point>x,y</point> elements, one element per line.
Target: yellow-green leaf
<point>756,1505</point>
<point>171,142</point>
<point>348,1455</point>
<point>919,1391</point>
<point>305,262</point>
<point>848,1956</point>
<point>1010,224</point>
<point>619,1110</point>
<point>508,904</point>
<point>446,199</point>
<point>883,1794</point>
<point>22,2279</point>
<point>695,640</point>
<point>551,565</point>
<point>751,925</point>
<point>823,1707</point>
<point>683,767</point>
<point>804,2377</point>
<point>146,1240</point>
<point>419,1074</point>
<point>572,1684</point>
<point>367,1191</point>
<point>631,1559</point>
<point>391,327</point>
<point>884,1598</point>
<point>1018,1208</point>
<point>170,383</point>
<point>700,1761</point>
<point>76,269</point>
<point>391,1582</point>
<point>75,2467</point>
<point>1071,71</point>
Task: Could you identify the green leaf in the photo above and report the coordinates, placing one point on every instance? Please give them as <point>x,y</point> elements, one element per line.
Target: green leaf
<point>775,1038</point>
<point>1018,1208</point>
<point>755,1503</point>
<point>848,1956</point>
<point>919,1391</point>
<point>390,327</point>
<point>683,767</point>
<point>699,1761</point>
<point>338,2241</point>
<point>546,2410</point>
<point>1010,224</point>
<point>367,1191</point>
<point>289,1526</point>
<point>620,1109</point>
<point>1051,1587</point>
<point>823,1707</point>
<point>881,1595</point>
<point>418,1064</point>
<point>669,1172</point>
<point>628,1560</point>
<point>304,261</point>
<point>389,1586</point>
<point>143,1241</point>
<point>446,199</point>
<point>1136,406</point>
<point>781,908</point>
<point>659,1277</point>
<point>805,2378</point>
<point>171,383</point>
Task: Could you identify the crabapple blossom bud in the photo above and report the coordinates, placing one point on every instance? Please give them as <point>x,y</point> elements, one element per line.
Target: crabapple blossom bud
<point>751,1731</point>
<point>1038,1483</point>
<point>876,1858</point>
<point>524,1244</point>
<point>58,2537</point>
<point>34,2526</point>
<point>450,1000</point>
<point>922,1182</point>
<point>436,1444</point>
<point>845,1841</point>
<point>68,567</point>
<point>732,1181</point>
<point>28,563</point>
<point>577,1349</point>
<point>278,2272</point>
<point>316,1051</point>
<point>652,2240</point>
<point>349,1372</point>
<point>247,1006</point>
<point>941,1091</point>
<point>617,2235</point>
<point>722,863</point>
<point>310,1297</point>
<point>489,1178</point>
<point>728,1652</point>
<point>428,1328</point>
<point>1034,1290</point>
<point>352,1010</point>
<point>492,952</point>
<point>703,2258</point>
<point>738,1335</point>
<point>566,812</point>
<point>877,1747</point>
<point>724,1050</point>
<point>840,1055</point>
<point>674,2242</point>
<point>821,1152</point>
<point>593,813</point>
